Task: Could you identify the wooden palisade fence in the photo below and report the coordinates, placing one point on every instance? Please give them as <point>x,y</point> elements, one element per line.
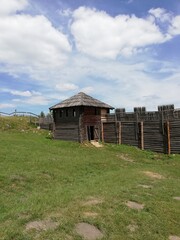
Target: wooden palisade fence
<point>157,131</point>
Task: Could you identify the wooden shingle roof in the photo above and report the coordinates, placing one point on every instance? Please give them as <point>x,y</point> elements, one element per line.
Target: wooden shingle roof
<point>81,99</point>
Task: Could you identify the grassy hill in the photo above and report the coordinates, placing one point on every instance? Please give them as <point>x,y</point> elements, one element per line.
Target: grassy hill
<point>17,123</point>
<point>47,187</point>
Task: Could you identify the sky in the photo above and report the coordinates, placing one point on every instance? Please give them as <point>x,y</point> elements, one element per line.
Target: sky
<point>123,52</point>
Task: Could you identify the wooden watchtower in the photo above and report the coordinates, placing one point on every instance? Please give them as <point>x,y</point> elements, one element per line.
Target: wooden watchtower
<point>79,118</point>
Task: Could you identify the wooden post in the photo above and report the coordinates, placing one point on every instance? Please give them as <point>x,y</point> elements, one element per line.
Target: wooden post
<point>142,136</point>
<point>168,137</point>
<point>119,133</point>
<point>102,131</point>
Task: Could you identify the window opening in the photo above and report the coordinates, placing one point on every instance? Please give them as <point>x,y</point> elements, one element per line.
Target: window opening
<point>61,113</point>
<point>74,113</point>
<point>66,112</point>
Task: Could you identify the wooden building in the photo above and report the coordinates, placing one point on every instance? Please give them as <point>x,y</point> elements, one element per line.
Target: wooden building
<point>79,118</point>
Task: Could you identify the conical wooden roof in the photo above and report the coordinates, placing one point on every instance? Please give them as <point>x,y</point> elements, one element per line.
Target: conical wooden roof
<point>81,99</point>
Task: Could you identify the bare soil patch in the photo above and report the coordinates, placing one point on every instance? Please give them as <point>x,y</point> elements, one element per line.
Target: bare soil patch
<point>153,175</point>
<point>172,237</point>
<point>145,186</point>
<point>176,198</point>
<point>24,215</point>
<point>96,144</point>
<point>17,178</point>
<point>90,214</point>
<point>92,201</point>
<point>125,157</point>
<point>42,225</point>
<point>88,231</point>
<point>68,237</point>
<point>132,227</point>
<point>55,215</point>
<point>134,205</point>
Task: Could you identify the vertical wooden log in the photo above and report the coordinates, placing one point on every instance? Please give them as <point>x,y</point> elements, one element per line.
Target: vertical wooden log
<point>120,133</point>
<point>102,131</point>
<point>142,135</point>
<point>168,137</point>
<point>80,129</point>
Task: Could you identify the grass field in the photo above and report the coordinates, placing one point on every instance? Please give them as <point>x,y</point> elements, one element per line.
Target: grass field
<point>67,183</point>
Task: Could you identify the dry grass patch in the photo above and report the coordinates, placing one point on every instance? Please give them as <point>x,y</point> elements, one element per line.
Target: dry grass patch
<point>125,157</point>
<point>174,238</point>
<point>42,225</point>
<point>93,201</point>
<point>145,186</point>
<point>134,205</point>
<point>153,175</point>
<point>176,198</point>
<point>90,214</point>
<point>132,227</point>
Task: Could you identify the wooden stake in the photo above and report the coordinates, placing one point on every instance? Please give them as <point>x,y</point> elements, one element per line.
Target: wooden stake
<point>102,132</point>
<point>142,135</point>
<point>168,138</point>
<point>119,133</point>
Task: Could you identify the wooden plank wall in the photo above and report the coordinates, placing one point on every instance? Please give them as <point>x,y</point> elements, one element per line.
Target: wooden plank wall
<point>154,138</point>
<point>157,136</point>
<point>130,133</point>
<point>174,136</point>
<point>109,132</point>
<point>69,133</point>
<point>46,126</point>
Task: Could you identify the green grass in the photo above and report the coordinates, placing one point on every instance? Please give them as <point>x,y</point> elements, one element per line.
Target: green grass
<point>45,179</point>
<point>20,123</point>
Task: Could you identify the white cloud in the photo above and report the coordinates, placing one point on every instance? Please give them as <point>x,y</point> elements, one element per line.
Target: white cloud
<point>66,87</point>
<point>135,83</point>
<point>12,6</point>
<point>99,35</point>
<point>31,40</point>
<point>161,14</point>
<point>130,1</point>
<point>30,44</point>
<point>26,97</point>
<point>65,12</point>
<point>87,90</point>
<point>174,29</point>
<point>20,93</point>
<point>40,100</point>
<point>33,100</point>
<point>6,105</point>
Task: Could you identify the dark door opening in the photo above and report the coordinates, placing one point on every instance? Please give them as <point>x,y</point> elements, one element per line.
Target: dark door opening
<point>90,131</point>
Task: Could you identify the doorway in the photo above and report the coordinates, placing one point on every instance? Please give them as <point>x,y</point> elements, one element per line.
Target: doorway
<point>90,132</point>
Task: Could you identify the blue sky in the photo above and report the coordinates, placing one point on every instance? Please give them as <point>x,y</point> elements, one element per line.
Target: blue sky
<point>123,52</point>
